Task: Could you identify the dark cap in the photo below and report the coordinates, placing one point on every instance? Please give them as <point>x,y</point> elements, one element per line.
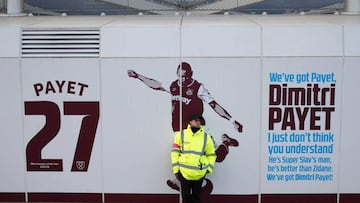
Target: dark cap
<point>195,117</point>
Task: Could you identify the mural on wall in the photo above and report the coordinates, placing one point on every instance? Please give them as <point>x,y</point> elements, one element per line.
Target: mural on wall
<point>188,96</point>
<point>136,118</point>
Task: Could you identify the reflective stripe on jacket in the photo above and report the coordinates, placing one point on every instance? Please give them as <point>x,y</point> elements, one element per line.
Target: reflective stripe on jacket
<point>193,154</point>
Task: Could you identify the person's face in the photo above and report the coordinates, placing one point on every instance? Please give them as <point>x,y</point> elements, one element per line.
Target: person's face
<point>182,76</point>
<point>195,123</point>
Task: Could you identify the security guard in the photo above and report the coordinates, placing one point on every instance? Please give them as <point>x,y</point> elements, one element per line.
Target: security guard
<point>193,156</point>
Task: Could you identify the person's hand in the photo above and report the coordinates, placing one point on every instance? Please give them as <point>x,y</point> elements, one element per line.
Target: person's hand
<point>238,126</point>
<point>177,176</point>
<point>132,74</point>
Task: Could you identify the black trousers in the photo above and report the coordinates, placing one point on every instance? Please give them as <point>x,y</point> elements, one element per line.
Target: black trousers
<point>191,190</point>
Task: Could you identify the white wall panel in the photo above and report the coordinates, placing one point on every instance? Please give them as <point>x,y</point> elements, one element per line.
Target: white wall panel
<point>10,41</point>
<point>217,36</point>
<point>352,39</point>
<point>11,140</point>
<point>136,126</point>
<point>299,36</point>
<point>10,35</point>
<point>235,85</point>
<point>349,159</point>
<point>141,36</point>
<point>351,30</point>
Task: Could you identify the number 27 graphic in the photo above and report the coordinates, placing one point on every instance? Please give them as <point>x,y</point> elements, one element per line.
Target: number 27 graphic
<point>51,128</point>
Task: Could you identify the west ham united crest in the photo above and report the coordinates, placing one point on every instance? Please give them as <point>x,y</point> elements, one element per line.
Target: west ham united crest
<point>189,92</point>
<point>80,165</point>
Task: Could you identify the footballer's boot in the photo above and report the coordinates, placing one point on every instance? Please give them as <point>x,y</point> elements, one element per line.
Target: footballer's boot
<point>229,141</point>
<point>173,184</point>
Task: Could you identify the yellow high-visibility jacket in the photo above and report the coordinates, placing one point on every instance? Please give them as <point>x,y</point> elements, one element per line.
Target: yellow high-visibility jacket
<point>193,154</point>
